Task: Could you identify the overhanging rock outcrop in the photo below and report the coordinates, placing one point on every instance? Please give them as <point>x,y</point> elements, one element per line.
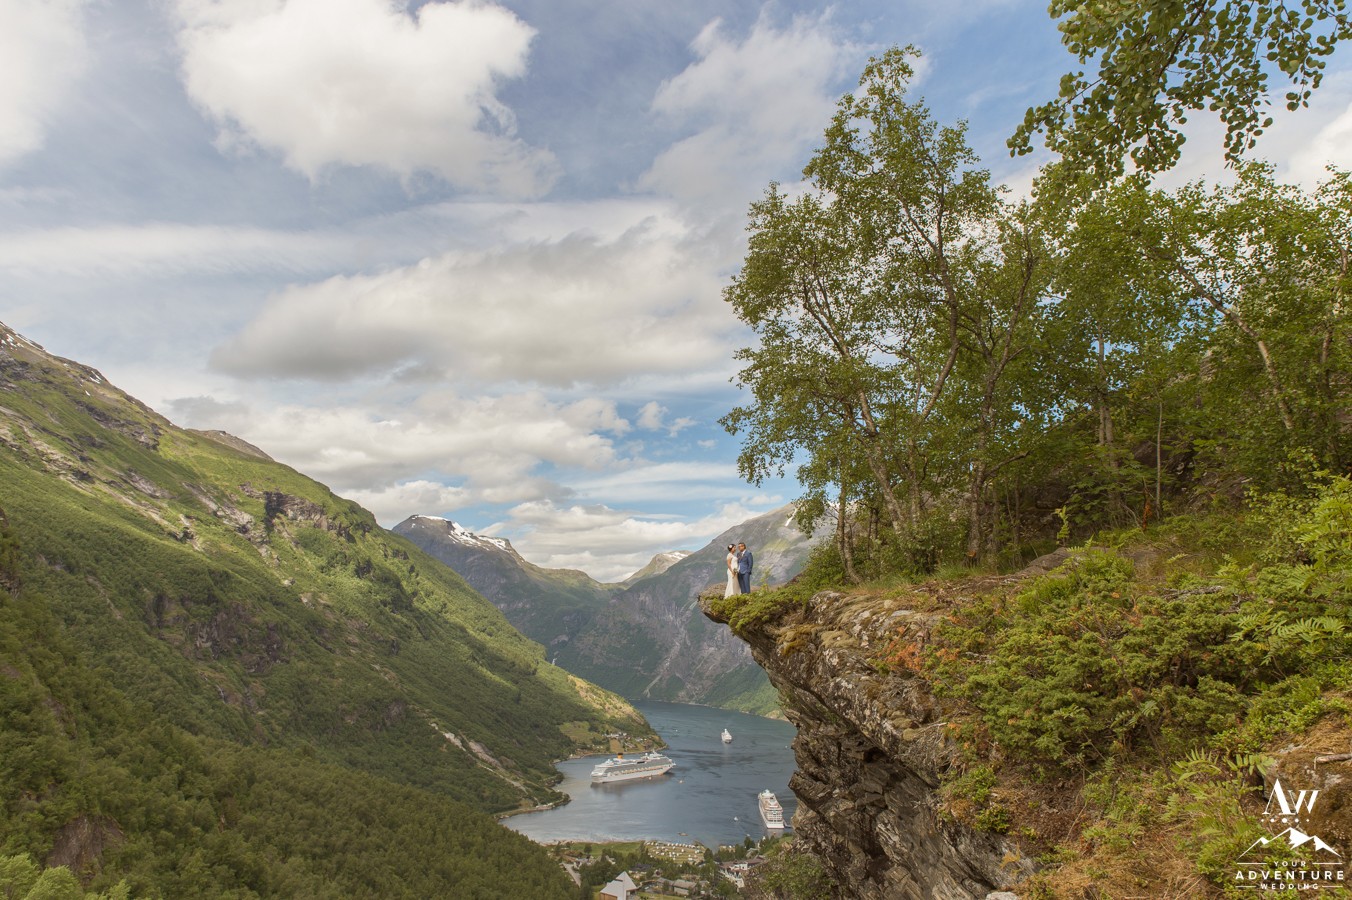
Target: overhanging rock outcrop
<point>870,751</point>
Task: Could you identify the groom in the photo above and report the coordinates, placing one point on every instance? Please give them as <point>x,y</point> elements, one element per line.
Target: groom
<point>744,563</point>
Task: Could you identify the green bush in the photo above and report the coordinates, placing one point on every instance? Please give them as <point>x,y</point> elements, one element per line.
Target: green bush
<point>1084,661</point>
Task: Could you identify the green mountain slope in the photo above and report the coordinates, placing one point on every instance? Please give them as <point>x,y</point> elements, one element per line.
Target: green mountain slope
<point>547,605</point>
<point>244,601</point>
<point>116,792</point>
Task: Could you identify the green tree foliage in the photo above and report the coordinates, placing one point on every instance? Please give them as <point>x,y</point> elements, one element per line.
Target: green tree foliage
<point>894,304</point>
<point>1161,60</point>
<point>22,879</point>
<point>928,352</point>
<point>195,816</point>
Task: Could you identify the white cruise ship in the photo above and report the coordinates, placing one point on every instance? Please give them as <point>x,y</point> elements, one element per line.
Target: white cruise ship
<point>621,769</point>
<point>727,736</point>
<point>772,814</point>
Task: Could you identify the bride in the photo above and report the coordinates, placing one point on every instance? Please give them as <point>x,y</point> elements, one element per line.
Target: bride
<point>733,587</point>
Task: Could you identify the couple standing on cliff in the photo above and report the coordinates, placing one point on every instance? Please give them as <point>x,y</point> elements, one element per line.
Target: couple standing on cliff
<point>740,561</point>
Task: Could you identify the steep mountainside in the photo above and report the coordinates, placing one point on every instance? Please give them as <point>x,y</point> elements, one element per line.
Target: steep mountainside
<point>245,601</point>
<point>651,641</point>
<point>112,792</point>
<point>656,566</point>
<point>642,637</point>
<point>542,603</point>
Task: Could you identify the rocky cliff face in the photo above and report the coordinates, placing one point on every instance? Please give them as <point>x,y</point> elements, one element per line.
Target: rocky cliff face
<point>871,749</point>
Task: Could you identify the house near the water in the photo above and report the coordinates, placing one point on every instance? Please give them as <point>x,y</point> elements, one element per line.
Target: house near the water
<point>622,888</point>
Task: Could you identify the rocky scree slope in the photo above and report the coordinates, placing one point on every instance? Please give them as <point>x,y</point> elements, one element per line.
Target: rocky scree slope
<point>245,601</point>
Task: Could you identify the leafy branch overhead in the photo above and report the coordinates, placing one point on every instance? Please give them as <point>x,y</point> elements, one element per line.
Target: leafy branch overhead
<point>1161,60</point>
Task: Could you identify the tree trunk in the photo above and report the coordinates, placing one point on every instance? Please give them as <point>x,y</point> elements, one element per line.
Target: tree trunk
<point>884,480</point>
<point>913,462</point>
<point>842,533</point>
<point>977,487</point>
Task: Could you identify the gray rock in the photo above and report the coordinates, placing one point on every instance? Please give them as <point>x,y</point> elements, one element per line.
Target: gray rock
<point>870,751</point>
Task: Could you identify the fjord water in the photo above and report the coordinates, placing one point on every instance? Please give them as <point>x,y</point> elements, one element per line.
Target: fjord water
<point>710,793</point>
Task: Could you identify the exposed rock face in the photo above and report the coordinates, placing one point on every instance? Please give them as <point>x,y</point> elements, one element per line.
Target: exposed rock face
<point>81,842</point>
<point>871,749</point>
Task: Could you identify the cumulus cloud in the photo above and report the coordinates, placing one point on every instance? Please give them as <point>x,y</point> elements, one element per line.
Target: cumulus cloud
<point>574,310</point>
<point>492,445</point>
<point>759,105</point>
<point>608,544</point>
<point>394,503</point>
<point>652,417</point>
<point>42,51</point>
<point>442,452</point>
<point>362,82</point>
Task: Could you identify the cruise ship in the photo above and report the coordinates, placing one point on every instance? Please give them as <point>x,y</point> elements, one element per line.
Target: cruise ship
<point>621,769</point>
<point>727,736</point>
<point>772,814</point>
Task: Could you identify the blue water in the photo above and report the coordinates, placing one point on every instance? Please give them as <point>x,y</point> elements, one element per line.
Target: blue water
<point>710,793</point>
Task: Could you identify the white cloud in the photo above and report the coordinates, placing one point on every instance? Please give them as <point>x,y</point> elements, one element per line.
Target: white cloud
<point>608,544</point>
<point>42,51</point>
<point>443,452</point>
<point>662,482</point>
<point>759,105</point>
<point>397,502</point>
<point>1331,146</point>
<point>493,444</point>
<point>652,417</point>
<point>159,249</point>
<point>362,82</point>
<point>575,310</point>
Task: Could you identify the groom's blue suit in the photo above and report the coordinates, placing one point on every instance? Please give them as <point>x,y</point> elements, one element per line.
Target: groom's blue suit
<point>744,563</point>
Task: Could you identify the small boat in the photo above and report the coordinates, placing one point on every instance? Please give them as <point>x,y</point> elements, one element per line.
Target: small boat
<point>772,814</point>
<point>727,737</point>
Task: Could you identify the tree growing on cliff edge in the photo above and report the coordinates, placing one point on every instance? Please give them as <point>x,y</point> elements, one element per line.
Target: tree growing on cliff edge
<point>894,303</point>
<point>1161,60</point>
<point>926,347</point>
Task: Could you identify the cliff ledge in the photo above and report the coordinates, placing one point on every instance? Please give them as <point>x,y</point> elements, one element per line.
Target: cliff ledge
<point>871,748</point>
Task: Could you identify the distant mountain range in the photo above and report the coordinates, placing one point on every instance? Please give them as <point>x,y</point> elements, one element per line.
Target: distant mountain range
<point>643,637</point>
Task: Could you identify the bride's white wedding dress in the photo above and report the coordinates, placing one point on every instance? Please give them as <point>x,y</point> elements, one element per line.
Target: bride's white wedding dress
<point>733,588</point>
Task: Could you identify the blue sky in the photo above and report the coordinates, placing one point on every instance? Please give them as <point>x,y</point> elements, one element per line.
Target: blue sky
<point>465,259</point>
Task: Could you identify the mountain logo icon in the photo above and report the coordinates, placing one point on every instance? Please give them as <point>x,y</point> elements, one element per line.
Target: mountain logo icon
<point>1294,838</point>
